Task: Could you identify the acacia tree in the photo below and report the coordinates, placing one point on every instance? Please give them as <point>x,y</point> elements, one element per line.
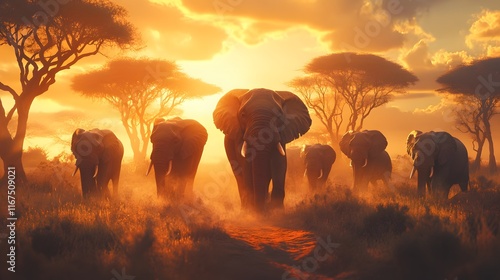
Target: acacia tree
<point>360,82</point>
<point>477,83</point>
<point>46,38</point>
<point>142,90</point>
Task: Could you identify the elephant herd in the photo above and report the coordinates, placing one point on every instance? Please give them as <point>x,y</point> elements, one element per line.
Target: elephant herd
<point>258,124</point>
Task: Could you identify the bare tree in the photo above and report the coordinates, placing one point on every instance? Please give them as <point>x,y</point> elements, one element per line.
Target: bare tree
<point>478,83</point>
<point>360,82</point>
<point>47,40</point>
<point>468,120</point>
<point>142,90</point>
<point>326,103</point>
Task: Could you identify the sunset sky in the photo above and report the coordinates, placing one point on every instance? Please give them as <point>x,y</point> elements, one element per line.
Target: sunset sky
<point>256,43</point>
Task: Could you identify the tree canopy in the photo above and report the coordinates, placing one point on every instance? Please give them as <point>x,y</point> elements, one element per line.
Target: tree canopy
<point>46,38</point>
<point>142,90</point>
<point>361,82</point>
<point>477,90</point>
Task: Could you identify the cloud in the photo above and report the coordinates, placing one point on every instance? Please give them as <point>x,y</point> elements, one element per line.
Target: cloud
<point>429,66</point>
<point>485,30</point>
<point>170,34</point>
<point>343,24</point>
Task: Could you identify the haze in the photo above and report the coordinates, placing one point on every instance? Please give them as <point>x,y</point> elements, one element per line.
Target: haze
<point>251,44</point>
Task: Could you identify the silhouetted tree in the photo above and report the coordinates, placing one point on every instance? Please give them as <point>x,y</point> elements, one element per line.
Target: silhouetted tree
<point>467,114</point>
<point>360,82</point>
<point>477,83</point>
<point>141,90</point>
<point>46,38</point>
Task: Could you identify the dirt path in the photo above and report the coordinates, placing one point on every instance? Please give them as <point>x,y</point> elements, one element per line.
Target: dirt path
<point>264,251</point>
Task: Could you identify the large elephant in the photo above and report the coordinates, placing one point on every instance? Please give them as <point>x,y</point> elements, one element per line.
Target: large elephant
<point>177,148</point>
<point>441,161</point>
<point>98,156</point>
<point>257,124</point>
<point>318,160</point>
<point>369,160</point>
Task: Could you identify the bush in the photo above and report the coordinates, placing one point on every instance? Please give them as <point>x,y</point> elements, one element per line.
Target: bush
<point>387,219</point>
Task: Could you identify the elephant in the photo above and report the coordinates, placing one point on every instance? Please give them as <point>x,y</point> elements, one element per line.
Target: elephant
<point>441,161</point>
<point>99,155</point>
<point>177,148</point>
<point>257,124</point>
<point>369,160</point>
<point>318,159</point>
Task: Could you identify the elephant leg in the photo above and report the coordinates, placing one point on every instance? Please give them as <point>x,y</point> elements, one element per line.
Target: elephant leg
<point>115,178</point>
<point>241,171</point>
<point>278,171</point>
<point>103,178</point>
<point>192,169</point>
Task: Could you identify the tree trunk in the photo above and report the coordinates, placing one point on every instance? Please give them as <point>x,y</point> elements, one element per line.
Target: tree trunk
<point>492,164</point>
<point>12,155</point>
<point>476,165</point>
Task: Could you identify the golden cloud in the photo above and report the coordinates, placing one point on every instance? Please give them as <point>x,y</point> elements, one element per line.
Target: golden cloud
<point>344,24</point>
<point>485,29</point>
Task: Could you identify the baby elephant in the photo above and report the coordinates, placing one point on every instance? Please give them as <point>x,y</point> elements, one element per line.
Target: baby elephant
<point>177,148</point>
<point>98,156</point>
<point>318,161</point>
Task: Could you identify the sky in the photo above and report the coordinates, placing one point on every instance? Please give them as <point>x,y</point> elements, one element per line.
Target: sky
<point>253,44</point>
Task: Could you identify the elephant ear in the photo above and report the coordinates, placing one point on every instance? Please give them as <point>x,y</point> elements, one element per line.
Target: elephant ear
<point>75,138</point>
<point>110,144</point>
<point>411,139</point>
<point>345,142</point>
<point>328,154</point>
<point>226,113</point>
<point>296,117</point>
<point>446,144</point>
<point>193,137</point>
<point>378,142</point>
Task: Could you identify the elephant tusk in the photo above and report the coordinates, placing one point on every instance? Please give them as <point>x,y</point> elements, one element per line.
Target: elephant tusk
<point>320,174</point>
<point>305,173</point>
<point>280,149</point>
<point>366,162</point>
<point>244,149</point>
<point>432,172</point>
<point>95,173</point>
<point>350,163</point>
<point>74,172</point>
<point>169,167</point>
<point>412,172</point>
<point>149,168</point>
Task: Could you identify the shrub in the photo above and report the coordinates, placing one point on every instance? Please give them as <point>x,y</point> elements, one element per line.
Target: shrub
<point>387,219</point>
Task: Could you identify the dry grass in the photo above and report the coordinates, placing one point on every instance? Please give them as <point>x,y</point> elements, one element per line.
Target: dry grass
<point>383,234</point>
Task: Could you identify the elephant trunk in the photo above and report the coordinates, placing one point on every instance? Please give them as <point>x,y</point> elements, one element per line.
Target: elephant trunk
<point>423,180</point>
<point>261,177</point>
<point>88,181</point>
<point>160,173</point>
<point>360,178</point>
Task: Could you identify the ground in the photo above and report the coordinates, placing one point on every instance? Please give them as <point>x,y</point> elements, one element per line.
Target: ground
<point>385,233</point>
